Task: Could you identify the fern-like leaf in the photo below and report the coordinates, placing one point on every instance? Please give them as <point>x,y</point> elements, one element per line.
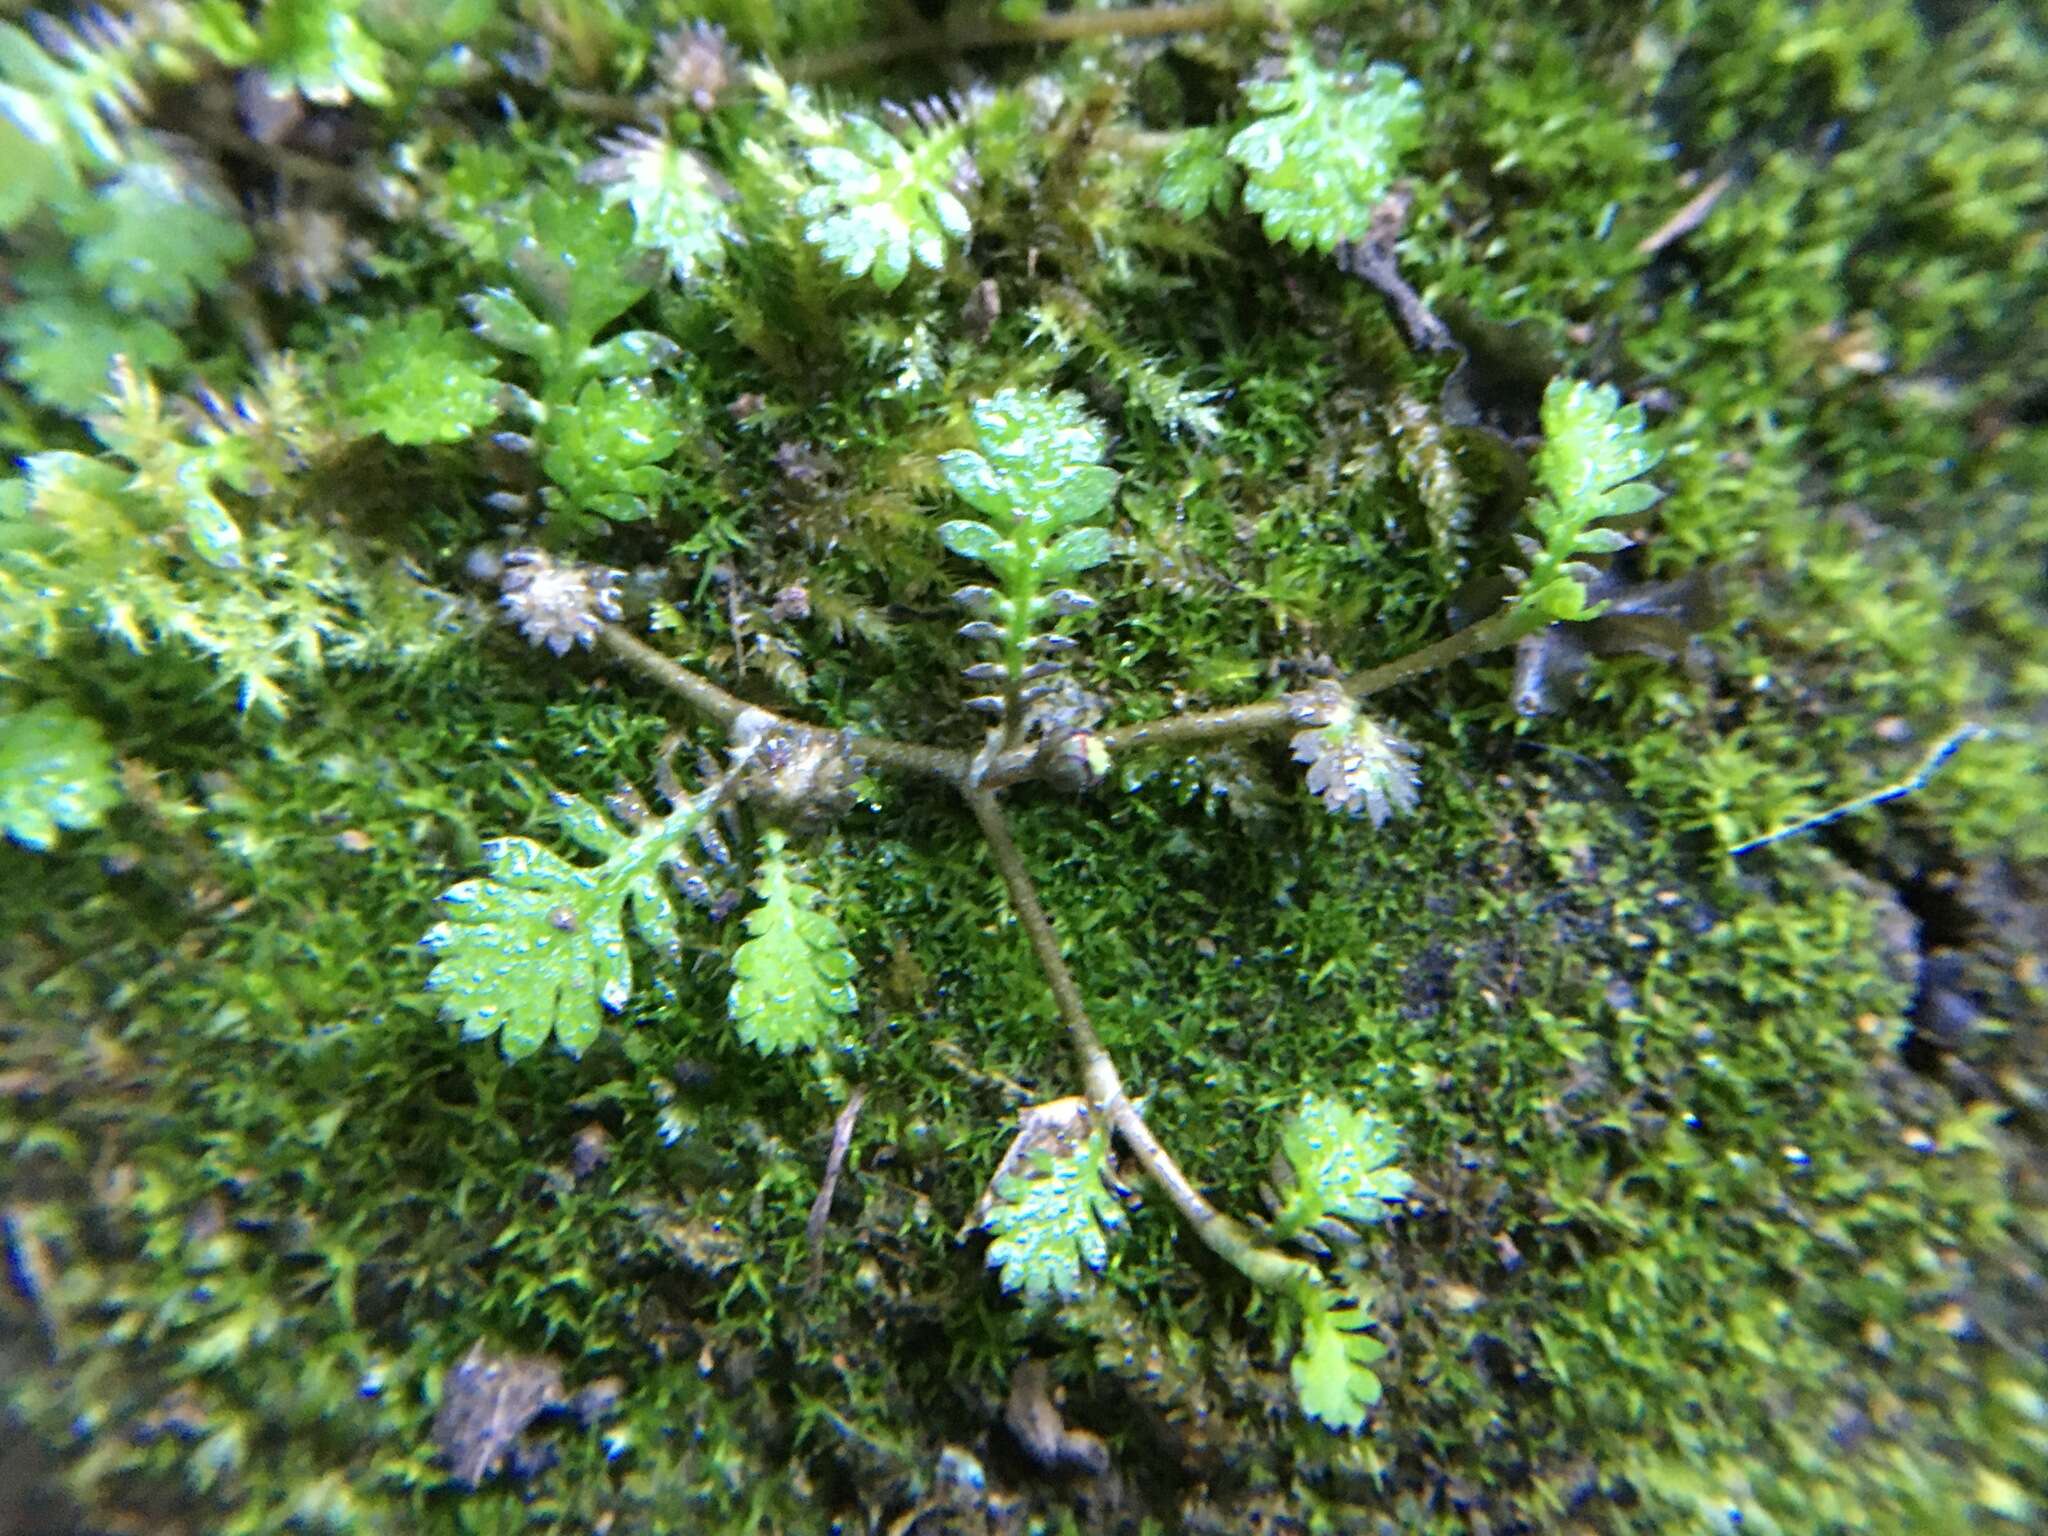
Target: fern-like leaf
<point>56,773</point>
<point>1326,148</point>
<point>886,202</point>
<point>314,47</point>
<point>1051,1207</point>
<point>1336,1161</point>
<point>1589,467</point>
<point>793,978</point>
<point>605,450</point>
<point>62,343</point>
<point>537,948</point>
<point>1332,1366</point>
<point>75,90</point>
<point>414,381</point>
<point>1357,764</point>
<point>178,476</point>
<point>180,534</point>
<point>156,237</point>
<point>1427,462</point>
<point>1197,174</point>
<point>1038,479</point>
<point>678,201</point>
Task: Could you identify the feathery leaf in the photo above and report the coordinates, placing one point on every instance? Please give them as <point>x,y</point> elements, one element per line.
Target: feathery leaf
<point>793,978</point>
<point>1332,1366</point>
<point>1326,148</point>
<point>678,201</point>
<point>1338,1162</point>
<point>56,772</point>
<point>884,203</point>
<point>1356,764</point>
<point>1050,1207</point>
<point>1589,467</point>
<point>537,947</point>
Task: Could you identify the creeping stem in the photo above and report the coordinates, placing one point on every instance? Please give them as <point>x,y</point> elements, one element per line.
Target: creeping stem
<point>1194,728</point>
<point>1504,628</point>
<point>1060,27</point>
<point>1017,764</point>
<point>1229,1238</point>
<point>978,777</point>
<point>1023,584</point>
<point>713,702</point>
<point>957,37</point>
<point>700,693</point>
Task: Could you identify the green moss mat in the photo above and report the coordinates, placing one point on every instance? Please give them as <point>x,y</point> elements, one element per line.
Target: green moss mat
<point>1728,1212</point>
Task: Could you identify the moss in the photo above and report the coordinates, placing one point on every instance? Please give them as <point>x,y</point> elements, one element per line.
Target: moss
<point>1729,1207</point>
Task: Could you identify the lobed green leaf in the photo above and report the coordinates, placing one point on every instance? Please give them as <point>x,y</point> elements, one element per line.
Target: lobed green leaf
<point>882,206</point>
<point>579,266</point>
<point>156,240</point>
<point>1332,1367</point>
<point>1327,147</point>
<point>1197,175</point>
<point>1050,1207</point>
<point>56,773</point>
<point>529,953</point>
<point>537,948</point>
<point>605,450</point>
<point>1034,472</point>
<point>793,977</point>
<point>1588,468</point>
<point>414,381</point>
<point>320,49</point>
<point>63,347</point>
<point>680,205</point>
<point>1341,1163</point>
<point>971,540</point>
<point>503,320</point>
<point>1356,764</point>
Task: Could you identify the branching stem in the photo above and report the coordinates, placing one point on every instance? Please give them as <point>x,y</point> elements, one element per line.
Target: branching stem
<point>1504,628</point>
<point>1060,27</point>
<point>713,702</point>
<point>288,164</point>
<point>1269,715</point>
<point>1018,764</point>
<point>979,776</point>
<point>1228,1237</point>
